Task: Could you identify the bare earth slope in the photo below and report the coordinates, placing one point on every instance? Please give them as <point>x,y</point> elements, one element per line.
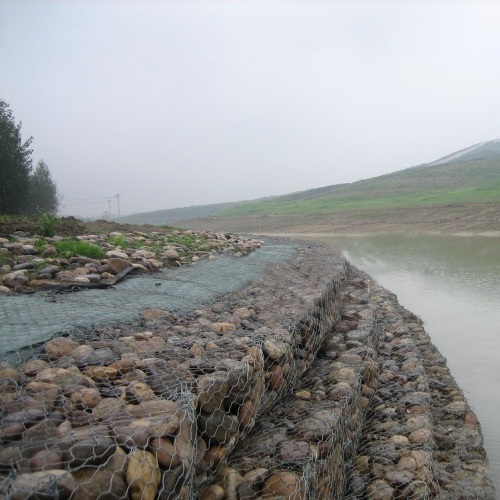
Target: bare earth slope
<point>449,219</point>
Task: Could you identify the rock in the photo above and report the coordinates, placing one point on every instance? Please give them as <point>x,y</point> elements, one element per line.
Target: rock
<point>46,460</point>
<point>137,392</point>
<point>420,436</point>
<point>4,290</point>
<point>116,254</point>
<point>50,251</point>
<point>51,270</point>
<point>223,327</point>
<point>143,475</point>
<point>165,452</point>
<point>246,415</point>
<point>171,254</point>
<point>85,398</point>
<point>398,477</point>
<point>212,389</point>
<point>60,346</point>
<point>380,490</point>
<point>143,254</point>
<point>23,265</point>
<point>399,440</point>
<point>16,278</point>
<point>292,451</point>
<point>284,484</point>
<point>53,483</point>
<point>29,250</point>
<point>153,314</point>
<point>10,455</point>
<point>252,483</point>
<point>98,484</point>
<point>458,408</point>
<point>118,264</point>
<point>218,427</point>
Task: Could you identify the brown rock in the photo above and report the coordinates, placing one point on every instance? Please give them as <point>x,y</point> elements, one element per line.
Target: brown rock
<point>60,346</point>
<point>223,327</point>
<point>284,484</point>
<point>152,314</point>
<point>420,436</point>
<point>212,389</point>
<point>98,484</point>
<point>380,490</point>
<point>143,475</point>
<point>252,483</point>
<point>212,492</point>
<point>118,264</point>
<point>36,484</point>
<point>85,398</point>
<point>275,377</point>
<point>164,451</point>
<point>218,427</point>
<point>246,415</point>
<point>139,392</point>
<point>46,459</point>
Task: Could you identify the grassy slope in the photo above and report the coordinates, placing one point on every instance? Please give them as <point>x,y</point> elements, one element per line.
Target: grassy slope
<point>475,181</point>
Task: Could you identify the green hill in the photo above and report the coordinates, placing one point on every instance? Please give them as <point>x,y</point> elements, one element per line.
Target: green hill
<point>471,175</point>
<point>474,181</point>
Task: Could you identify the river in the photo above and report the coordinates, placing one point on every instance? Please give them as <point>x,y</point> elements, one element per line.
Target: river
<point>453,284</point>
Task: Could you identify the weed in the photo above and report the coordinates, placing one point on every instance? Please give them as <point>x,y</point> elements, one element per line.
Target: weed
<point>188,240</point>
<point>47,223</point>
<point>70,248</point>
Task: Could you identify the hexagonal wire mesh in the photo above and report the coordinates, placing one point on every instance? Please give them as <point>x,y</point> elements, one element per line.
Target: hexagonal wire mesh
<point>286,374</point>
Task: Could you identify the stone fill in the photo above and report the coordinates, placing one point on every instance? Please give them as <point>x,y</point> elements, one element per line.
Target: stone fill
<point>309,381</point>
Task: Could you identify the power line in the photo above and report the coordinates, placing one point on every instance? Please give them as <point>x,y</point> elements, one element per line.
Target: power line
<point>87,199</point>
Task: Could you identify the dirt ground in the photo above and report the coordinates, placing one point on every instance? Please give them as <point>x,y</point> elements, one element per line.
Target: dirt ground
<point>70,226</point>
<point>478,219</point>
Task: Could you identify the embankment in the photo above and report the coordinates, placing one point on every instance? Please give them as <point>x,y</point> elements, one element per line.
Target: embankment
<point>309,381</point>
<point>476,219</point>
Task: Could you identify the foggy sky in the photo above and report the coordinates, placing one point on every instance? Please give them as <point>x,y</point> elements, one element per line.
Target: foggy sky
<point>179,103</point>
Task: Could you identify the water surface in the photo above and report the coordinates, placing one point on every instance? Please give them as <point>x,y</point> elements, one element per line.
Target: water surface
<point>453,284</point>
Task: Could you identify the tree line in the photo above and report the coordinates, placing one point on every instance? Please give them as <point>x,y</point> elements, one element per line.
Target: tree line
<point>23,190</point>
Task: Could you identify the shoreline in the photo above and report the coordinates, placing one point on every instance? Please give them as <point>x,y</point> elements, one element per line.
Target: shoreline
<point>375,366</point>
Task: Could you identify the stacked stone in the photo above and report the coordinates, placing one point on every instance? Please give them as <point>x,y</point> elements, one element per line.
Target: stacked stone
<point>395,457</point>
<point>301,448</point>
<point>25,269</point>
<point>460,461</point>
<point>156,412</point>
<point>311,382</point>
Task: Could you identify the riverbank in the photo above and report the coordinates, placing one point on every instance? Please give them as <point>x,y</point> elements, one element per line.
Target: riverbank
<point>186,402</point>
<point>477,219</point>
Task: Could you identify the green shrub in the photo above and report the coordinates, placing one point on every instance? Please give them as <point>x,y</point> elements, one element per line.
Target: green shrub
<point>70,248</point>
<point>47,224</point>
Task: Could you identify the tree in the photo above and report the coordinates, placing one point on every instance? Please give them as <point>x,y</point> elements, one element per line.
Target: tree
<point>43,190</point>
<point>15,164</point>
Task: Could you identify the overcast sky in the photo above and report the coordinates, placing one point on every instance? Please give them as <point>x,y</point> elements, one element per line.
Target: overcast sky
<point>179,103</point>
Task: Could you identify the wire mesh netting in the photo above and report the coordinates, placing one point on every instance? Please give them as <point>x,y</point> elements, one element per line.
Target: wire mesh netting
<point>284,374</point>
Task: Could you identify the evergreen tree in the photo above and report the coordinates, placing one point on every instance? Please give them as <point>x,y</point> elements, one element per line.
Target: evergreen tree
<point>43,190</point>
<point>15,164</point>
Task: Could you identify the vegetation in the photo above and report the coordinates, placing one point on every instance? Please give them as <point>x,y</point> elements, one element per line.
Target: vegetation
<point>44,195</point>
<point>21,190</point>
<point>187,240</point>
<point>15,164</point>
<point>47,223</point>
<point>69,248</point>
<point>475,181</point>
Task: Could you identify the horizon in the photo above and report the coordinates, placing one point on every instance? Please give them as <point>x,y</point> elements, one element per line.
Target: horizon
<point>174,104</point>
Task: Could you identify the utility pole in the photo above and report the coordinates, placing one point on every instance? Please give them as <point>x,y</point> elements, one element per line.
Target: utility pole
<point>119,217</point>
<point>109,208</point>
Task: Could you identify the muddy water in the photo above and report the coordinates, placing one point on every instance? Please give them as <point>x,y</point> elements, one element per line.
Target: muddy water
<point>453,284</point>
